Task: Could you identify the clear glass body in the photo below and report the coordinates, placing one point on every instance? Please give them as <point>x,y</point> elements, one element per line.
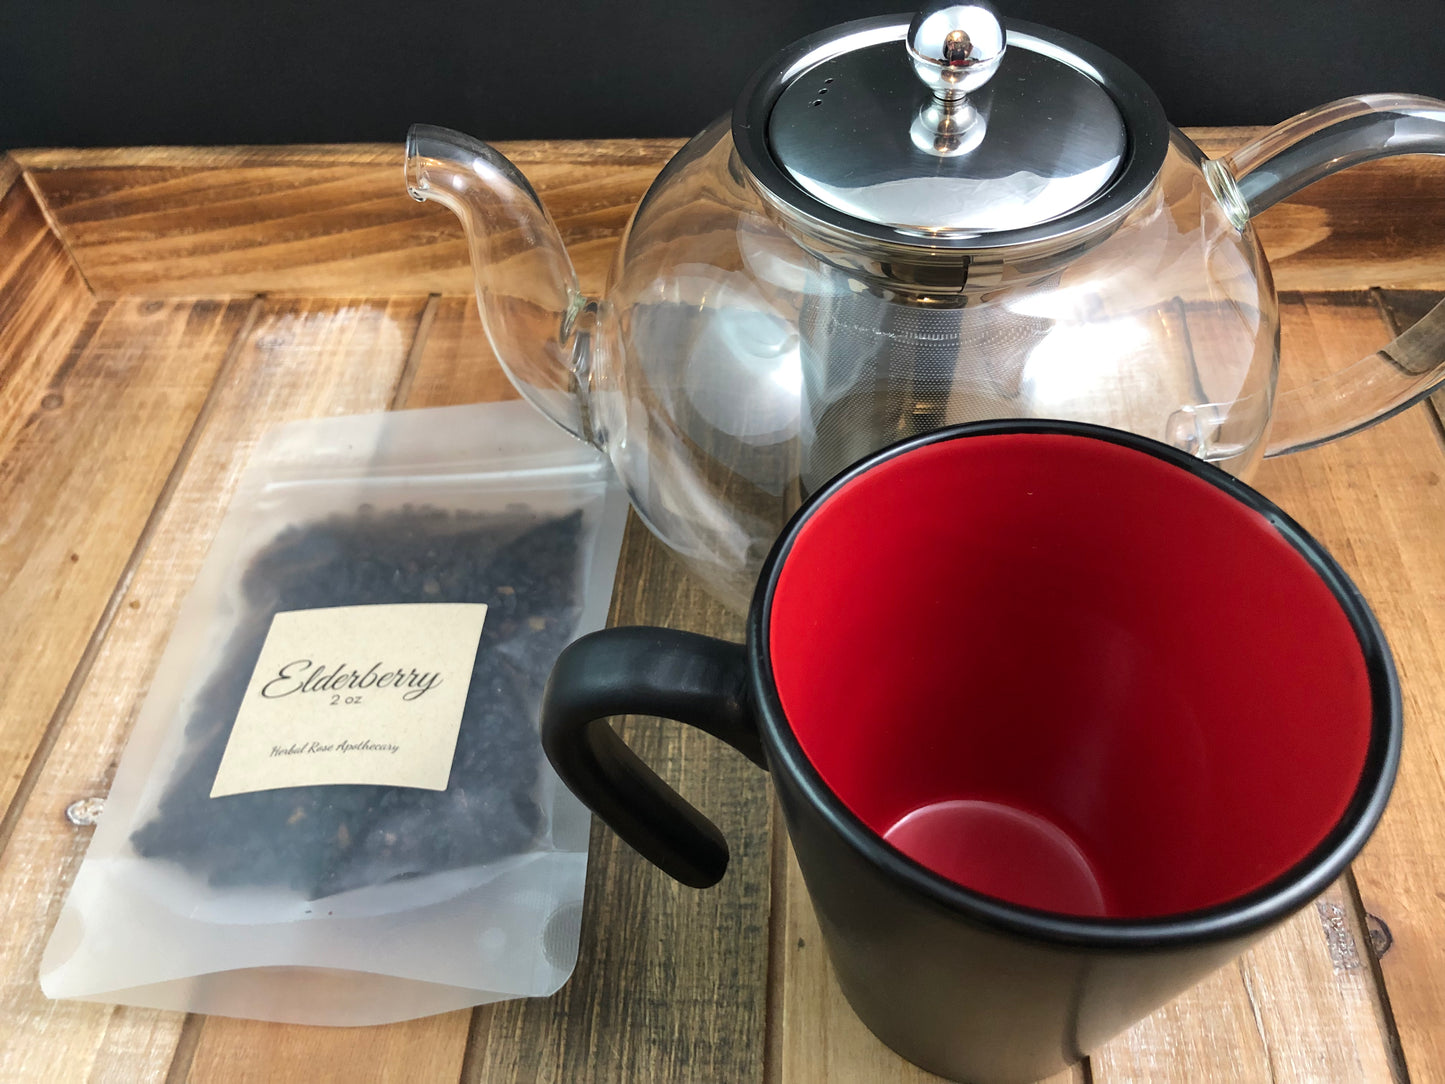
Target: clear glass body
<point>731,370</point>
<point>741,371</point>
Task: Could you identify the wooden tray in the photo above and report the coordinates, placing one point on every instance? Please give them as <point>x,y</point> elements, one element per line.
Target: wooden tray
<point>161,308</point>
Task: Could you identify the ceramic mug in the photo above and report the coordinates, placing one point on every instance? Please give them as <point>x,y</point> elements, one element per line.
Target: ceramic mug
<point>1060,719</point>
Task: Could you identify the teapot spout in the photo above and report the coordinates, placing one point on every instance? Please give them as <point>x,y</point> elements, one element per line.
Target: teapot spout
<point>539,323</point>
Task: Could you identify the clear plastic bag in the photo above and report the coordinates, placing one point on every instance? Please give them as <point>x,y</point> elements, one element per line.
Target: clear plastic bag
<point>358,901</point>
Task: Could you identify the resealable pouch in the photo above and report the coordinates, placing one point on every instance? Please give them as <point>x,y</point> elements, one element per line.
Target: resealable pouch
<point>334,807</point>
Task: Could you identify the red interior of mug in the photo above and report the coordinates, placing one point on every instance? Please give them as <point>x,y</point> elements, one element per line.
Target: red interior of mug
<point>1070,675</point>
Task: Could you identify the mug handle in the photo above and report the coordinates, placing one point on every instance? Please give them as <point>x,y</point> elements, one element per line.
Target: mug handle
<point>1277,165</point>
<point>648,671</point>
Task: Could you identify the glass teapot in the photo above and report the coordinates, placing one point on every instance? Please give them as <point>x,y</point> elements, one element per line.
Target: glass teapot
<point>907,225</point>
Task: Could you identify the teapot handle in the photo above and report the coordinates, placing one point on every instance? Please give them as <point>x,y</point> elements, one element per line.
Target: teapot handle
<point>1277,165</point>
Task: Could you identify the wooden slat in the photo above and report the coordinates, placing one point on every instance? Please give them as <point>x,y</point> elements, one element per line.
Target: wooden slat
<point>312,224</point>
<point>162,221</point>
<point>65,1041</point>
<point>306,360</point>
<point>671,983</point>
<point>9,173</point>
<point>43,302</point>
<point>251,1052</point>
<point>451,364</point>
<point>457,364</point>
<point>322,155</point>
<point>299,359</point>
<point>1299,1006</point>
<point>77,485</point>
<point>1378,224</point>
<point>1319,1013</point>
<point>1377,501</point>
<point>1208,1033</point>
<point>274,229</point>
<point>656,959</point>
<point>316,155</point>
<point>1402,309</point>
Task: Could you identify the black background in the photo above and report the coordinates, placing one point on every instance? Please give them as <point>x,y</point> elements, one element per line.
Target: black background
<point>111,72</point>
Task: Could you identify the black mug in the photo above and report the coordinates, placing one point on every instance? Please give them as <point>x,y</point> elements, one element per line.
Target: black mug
<point>1060,719</point>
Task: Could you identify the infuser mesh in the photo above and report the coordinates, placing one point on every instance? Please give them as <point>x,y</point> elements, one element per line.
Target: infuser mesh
<point>877,370</point>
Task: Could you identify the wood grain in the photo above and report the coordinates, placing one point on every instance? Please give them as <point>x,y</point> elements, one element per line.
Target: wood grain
<point>43,302</point>
<point>299,360</point>
<point>316,155</point>
<point>1377,501</point>
<point>1318,1013</point>
<point>456,364</point>
<point>1377,224</point>
<point>9,173</point>
<point>1300,1006</point>
<point>78,487</point>
<point>321,155</point>
<point>315,224</point>
<point>302,359</point>
<point>671,983</point>
<point>251,1052</point>
<point>650,948</point>
<point>77,483</point>
<point>657,953</point>
<point>1402,309</point>
<point>227,221</point>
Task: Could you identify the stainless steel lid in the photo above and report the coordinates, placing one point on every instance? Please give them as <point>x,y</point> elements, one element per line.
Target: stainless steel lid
<point>954,131</point>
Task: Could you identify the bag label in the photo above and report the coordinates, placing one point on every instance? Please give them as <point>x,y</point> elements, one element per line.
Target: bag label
<point>355,694</point>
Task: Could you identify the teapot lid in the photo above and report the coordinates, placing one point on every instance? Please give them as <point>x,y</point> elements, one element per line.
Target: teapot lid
<point>955,131</point>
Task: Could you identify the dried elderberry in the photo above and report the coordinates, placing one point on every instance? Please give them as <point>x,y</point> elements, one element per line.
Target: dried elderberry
<point>321,840</point>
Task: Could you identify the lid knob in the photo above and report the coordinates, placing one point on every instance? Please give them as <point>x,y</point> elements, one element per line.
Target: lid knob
<point>956,47</point>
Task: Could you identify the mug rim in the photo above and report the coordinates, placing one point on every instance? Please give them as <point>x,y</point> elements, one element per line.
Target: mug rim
<point>1262,907</point>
